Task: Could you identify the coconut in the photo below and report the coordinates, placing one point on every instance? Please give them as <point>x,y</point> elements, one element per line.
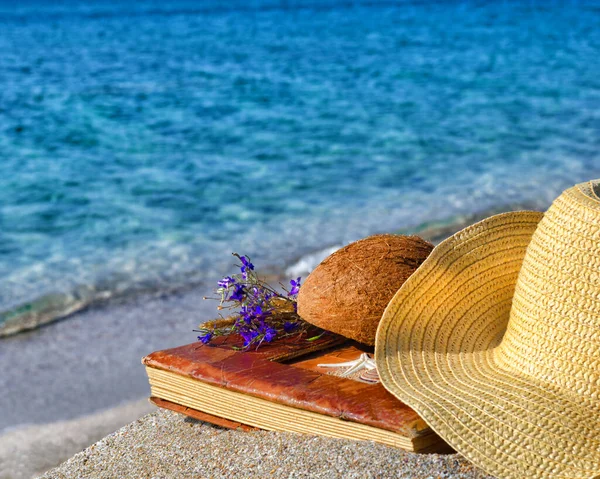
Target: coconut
<point>349,290</point>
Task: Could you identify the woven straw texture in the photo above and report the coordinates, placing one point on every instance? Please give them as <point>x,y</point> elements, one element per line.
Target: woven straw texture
<point>495,341</point>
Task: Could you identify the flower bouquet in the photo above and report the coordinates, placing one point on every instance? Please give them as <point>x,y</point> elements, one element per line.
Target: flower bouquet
<point>262,313</point>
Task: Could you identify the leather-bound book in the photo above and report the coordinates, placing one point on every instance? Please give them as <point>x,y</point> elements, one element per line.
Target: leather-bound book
<point>281,387</point>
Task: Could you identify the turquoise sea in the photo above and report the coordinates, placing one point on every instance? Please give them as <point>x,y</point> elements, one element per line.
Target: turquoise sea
<point>142,142</point>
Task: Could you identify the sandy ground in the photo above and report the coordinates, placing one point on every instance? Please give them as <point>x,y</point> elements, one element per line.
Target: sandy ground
<point>69,384</point>
<point>167,445</point>
<point>29,451</point>
<point>92,360</point>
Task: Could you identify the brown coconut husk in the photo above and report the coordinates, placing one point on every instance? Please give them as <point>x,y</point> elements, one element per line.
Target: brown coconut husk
<point>348,292</point>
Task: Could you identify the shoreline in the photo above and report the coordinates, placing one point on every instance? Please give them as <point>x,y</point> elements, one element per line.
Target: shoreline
<point>53,307</point>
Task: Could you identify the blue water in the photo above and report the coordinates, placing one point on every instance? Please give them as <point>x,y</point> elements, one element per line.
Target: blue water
<point>141,144</point>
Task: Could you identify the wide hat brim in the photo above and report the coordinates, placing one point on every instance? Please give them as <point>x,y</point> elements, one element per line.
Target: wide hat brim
<point>435,351</point>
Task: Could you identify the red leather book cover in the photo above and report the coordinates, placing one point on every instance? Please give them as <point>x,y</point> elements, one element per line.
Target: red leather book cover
<point>287,372</point>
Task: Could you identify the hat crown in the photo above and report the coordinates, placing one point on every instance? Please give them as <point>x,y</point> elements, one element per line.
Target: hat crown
<point>553,332</point>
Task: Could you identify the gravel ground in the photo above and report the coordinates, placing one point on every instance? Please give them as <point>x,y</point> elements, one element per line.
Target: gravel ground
<point>167,445</point>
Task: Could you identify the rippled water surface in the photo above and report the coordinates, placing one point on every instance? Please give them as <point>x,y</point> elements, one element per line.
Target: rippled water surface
<point>141,144</point>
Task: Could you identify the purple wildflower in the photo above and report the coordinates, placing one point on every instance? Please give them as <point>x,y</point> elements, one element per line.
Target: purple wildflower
<point>290,326</point>
<point>250,313</point>
<point>295,287</point>
<point>226,282</point>
<point>270,334</point>
<point>256,292</point>
<point>246,265</point>
<point>246,262</point>
<point>256,321</point>
<point>238,293</point>
<point>206,337</point>
<point>246,314</point>
<point>248,335</point>
<point>261,323</point>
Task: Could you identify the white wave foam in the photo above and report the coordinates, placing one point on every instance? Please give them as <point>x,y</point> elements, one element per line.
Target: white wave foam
<point>309,262</point>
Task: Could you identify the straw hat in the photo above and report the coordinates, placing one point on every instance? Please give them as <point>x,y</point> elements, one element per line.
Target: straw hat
<point>495,340</point>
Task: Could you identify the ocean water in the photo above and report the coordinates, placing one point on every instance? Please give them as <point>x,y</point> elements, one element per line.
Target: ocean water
<point>142,142</point>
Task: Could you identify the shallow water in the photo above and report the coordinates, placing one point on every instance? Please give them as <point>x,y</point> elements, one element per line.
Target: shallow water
<point>141,144</point>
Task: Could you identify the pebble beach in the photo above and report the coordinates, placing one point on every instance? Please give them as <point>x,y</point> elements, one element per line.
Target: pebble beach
<point>164,444</point>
